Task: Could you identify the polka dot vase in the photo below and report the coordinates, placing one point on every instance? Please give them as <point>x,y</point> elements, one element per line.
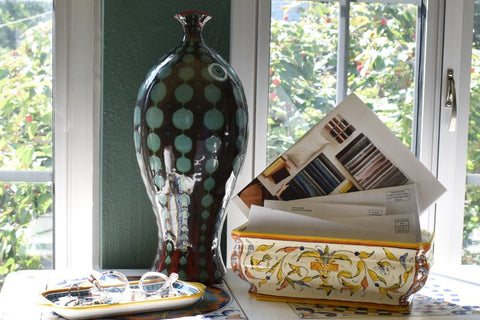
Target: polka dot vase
<point>190,133</point>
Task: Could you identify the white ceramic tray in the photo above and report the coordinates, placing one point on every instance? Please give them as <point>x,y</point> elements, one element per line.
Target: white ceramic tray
<point>188,293</point>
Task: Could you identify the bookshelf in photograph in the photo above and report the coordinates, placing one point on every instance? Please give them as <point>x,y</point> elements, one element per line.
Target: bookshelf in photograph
<point>318,178</point>
<point>368,165</point>
<point>339,128</point>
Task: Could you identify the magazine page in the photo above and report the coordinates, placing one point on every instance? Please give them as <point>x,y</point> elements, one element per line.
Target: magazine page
<point>349,150</point>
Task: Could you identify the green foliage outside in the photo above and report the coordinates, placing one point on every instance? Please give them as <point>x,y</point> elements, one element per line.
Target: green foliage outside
<point>25,125</point>
<point>304,67</point>
<point>381,64</point>
<point>471,217</point>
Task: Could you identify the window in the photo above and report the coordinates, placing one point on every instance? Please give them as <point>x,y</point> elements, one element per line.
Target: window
<point>26,133</point>
<point>390,53</point>
<point>69,168</point>
<point>320,51</point>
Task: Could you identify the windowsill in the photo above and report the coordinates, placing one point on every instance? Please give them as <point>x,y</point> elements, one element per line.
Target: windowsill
<point>469,274</point>
<point>18,303</point>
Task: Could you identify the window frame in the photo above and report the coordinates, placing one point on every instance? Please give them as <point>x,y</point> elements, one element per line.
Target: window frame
<point>452,146</point>
<point>77,120</point>
<point>250,56</point>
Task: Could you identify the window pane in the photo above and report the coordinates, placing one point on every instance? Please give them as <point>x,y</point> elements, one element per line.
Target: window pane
<point>303,58</point>
<point>26,225</point>
<point>25,134</point>
<point>471,229</point>
<point>382,62</point>
<point>303,55</point>
<point>25,85</point>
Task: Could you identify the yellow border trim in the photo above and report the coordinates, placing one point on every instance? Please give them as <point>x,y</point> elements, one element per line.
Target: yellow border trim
<point>238,232</point>
<point>338,303</point>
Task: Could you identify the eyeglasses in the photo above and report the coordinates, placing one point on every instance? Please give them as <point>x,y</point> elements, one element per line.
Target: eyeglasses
<point>113,287</point>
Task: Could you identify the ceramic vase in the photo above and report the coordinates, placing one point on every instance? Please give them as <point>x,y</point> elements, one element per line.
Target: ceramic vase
<point>190,133</point>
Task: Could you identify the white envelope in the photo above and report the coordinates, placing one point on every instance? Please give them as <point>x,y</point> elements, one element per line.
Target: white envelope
<point>270,221</point>
<point>404,227</point>
<point>325,210</point>
<point>397,200</point>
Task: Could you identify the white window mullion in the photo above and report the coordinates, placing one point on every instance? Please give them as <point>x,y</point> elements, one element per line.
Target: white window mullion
<point>262,75</point>
<point>32,176</point>
<point>60,134</point>
<point>77,116</point>
<point>473,179</point>
<point>342,50</point>
<point>418,76</point>
<point>428,128</point>
<point>243,57</point>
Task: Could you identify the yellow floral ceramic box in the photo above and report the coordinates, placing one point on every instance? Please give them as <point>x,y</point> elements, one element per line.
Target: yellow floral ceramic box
<point>333,271</point>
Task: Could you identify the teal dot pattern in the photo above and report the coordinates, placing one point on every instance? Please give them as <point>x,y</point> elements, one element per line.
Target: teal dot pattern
<point>190,133</point>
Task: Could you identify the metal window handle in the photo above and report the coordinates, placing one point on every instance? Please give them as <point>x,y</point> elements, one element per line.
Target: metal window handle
<point>451,102</point>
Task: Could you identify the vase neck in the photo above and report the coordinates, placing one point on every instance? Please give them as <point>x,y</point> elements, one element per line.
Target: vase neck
<point>192,22</point>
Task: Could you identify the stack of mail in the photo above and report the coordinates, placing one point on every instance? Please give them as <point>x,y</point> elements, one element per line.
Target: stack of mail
<point>348,177</point>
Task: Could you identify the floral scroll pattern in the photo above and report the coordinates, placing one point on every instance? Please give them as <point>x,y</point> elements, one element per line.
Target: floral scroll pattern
<point>375,274</point>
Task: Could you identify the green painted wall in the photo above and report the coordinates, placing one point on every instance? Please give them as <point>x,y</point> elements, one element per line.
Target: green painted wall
<point>135,35</point>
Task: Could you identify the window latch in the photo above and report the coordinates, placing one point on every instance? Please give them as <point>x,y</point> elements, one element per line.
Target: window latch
<point>451,101</point>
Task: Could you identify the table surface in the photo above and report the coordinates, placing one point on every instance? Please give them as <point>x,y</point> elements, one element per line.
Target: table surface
<point>18,303</point>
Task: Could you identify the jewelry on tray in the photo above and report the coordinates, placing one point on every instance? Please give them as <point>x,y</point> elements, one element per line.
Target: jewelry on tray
<point>112,287</point>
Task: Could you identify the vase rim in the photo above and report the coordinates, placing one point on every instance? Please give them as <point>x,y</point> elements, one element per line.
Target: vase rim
<point>188,12</point>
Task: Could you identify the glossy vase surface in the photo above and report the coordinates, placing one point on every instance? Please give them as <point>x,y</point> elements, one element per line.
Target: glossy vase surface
<point>190,133</point>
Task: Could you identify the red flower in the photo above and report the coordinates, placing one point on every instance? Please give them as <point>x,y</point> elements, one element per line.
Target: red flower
<point>28,118</point>
<point>275,82</point>
<point>383,21</point>
<point>273,95</point>
<point>328,20</point>
<point>6,186</point>
<point>359,66</point>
